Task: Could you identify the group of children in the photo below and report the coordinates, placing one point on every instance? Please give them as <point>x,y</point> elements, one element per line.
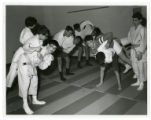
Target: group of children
<point>38,47</point>
<point>107,50</point>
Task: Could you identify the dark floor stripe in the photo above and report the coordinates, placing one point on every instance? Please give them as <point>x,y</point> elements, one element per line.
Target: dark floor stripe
<point>44,87</point>
<point>138,109</point>
<point>126,81</point>
<point>120,107</point>
<point>16,98</point>
<point>143,94</point>
<point>50,99</point>
<point>76,78</point>
<point>93,83</point>
<point>81,103</point>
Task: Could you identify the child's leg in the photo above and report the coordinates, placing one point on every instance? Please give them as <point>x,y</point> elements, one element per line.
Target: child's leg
<point>67,58</point>
<point>11,74</point>
<point>118,79</point>
<point>24,81</point>
<point>33,90</point>
<point>87,55</point>
<point>124,58</point>
<point>59,59</point>
<point>142,76</point>
<point>80,51</point>
<point>115,66</point>
<point>136,72</point>
<point>102,69</point>
<point>127,66</point>
<point>13,68</point>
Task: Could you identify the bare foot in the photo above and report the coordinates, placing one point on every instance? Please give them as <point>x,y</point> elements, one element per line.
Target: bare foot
<point>27,109</point>
<point>37,102</point>
<point>119,88</point>
<point>98,85</point>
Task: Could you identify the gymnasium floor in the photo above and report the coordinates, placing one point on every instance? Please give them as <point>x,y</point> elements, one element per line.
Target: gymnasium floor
<point>78,95</point>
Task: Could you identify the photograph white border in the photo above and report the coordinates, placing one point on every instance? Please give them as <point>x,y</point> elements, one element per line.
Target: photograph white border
<point>3,3</point>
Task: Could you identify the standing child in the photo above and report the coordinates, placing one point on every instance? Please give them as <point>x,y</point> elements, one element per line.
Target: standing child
<point>26,34</point>
<point>138,37</point>
<point>27,73</point>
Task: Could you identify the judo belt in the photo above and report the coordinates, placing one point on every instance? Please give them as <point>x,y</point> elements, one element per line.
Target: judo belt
<point>27,63</point>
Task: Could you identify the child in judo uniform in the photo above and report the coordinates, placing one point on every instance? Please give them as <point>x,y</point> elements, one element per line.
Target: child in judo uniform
<point>138,37</point>
<point>27,73</point>
<point>26,34</point>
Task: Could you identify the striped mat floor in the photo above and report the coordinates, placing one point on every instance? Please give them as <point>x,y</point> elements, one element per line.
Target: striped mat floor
<point>78,95</point>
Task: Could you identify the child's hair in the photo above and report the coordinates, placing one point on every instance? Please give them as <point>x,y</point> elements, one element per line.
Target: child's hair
<point>80,40</point>
<point>76,26</point>
<point>100,58</point>
<point>54,42</point>
<point>35,29</point>
<point>30,21</point>
<point>144,22</point>
<point>137,15</point>
<point>69,28</point>
<point>88,38</point>
<point>42,29</point>
<point>97,31</point>
<point>50,41</point>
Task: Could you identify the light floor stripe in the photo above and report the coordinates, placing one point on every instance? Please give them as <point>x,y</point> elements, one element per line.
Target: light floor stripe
<point>63,102</point>
<point>80,104</point>
<point>99,106</point>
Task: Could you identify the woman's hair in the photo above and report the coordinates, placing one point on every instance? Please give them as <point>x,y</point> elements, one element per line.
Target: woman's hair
<point>100,58</point>
<point>30,21</point>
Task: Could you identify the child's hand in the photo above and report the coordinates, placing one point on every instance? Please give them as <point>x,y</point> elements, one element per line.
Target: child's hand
<point>98,85</point>
<point>119,88</point>
<point>139,55</point>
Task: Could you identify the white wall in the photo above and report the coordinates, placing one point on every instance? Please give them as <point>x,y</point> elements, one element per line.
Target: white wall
<point>116,19</point>
<point>15,17</point>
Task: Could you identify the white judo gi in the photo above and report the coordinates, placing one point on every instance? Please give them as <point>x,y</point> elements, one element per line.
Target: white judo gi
<point>27,72</point>
<point>25,35</point>
<point>33,41</point>
<point>139,37</point>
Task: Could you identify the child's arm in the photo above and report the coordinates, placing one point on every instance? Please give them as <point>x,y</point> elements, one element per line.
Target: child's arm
<point>108,36</point>
<point>28,48</point>
<point>102,69</point>
<point>32,45</point>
